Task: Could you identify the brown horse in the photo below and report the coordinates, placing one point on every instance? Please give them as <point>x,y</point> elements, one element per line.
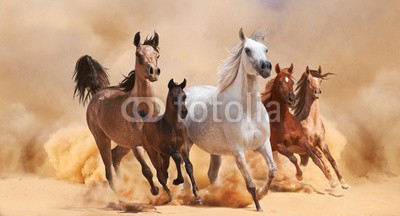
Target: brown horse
<point>167,138</point>
<point>110,110</point>
<point>287,136</point>
<point>307,112</point>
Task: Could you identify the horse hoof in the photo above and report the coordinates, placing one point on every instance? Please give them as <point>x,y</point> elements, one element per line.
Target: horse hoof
<point>299,177</point>
<point>178,181</point>
<point>333,184</point>
<point>259,209</point>
<point>154,191</point>
<point>345,186</point>
<point>199,201</point>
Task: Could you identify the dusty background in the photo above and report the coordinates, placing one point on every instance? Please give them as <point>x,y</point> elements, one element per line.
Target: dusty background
<point>43,133</point>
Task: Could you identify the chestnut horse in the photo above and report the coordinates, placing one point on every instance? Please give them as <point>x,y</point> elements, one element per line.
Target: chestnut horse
<point>109,116</point>
<point>287,136</point>
<point>307,112</point>
<point>167,138</point>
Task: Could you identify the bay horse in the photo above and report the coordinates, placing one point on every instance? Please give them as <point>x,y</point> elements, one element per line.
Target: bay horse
<point>106,117</point>
<point>306,111</point>
<point>167,138</point>
<point>287,136</point>
<point>232,119</point>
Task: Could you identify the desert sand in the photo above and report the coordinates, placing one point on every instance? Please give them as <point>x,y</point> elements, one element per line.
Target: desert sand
<point>30,195</point>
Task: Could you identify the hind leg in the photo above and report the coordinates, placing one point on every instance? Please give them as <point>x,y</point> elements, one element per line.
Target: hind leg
<point>284,151</point>
<point>213,170</point>
<point>104,145</point>
<point>117,154</point>
<point>146,171</point>
<point>161,163</point>
<point>332,161</point>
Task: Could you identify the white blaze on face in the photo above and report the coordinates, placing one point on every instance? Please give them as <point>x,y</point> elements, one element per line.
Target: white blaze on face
<point>315,79</point>
<point>286,79</point>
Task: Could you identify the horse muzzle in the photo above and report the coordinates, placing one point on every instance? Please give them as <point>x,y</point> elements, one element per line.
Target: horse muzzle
<point>184,113</point>
<point>317,93</point>
<point>153,73</point>
<point>264,69</point>
<point>291,99</point>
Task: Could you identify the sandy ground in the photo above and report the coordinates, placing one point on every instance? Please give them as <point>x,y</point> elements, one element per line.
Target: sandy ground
<point>30,195</point>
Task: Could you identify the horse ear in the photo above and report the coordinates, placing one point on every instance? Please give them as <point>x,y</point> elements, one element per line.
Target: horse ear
<point>241,35</point>
<point>319,69</point>
<point>171,84</point>
<point>136,40</point>
<point>291,68</point>
<point>277,68</point>
<point>183,84</point>
<point>307,70</point>
<point>155,39</point>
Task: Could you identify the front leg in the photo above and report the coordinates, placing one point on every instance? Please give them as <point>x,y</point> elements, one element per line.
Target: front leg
<point>189,170</point>
<point>177,159</point>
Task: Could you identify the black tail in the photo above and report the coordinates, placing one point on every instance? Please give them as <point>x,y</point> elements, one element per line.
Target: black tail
<point>304,160</point>
<point>89,77</point>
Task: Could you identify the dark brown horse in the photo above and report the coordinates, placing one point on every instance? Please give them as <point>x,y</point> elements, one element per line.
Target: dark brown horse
<point>110,114</point>
<point>168,137</point>
<point>287,136</point>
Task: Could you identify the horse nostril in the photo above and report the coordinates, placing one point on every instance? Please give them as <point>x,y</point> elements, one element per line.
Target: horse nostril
<point>151,71</point>
<point>262,66</point>
<point>269,66</point>
<point>158,71</point>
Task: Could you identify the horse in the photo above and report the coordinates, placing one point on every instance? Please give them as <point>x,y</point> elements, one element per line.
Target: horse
<point>167,138</point>
<point>110,109</point>
<point>306,111</point>
<point>287,135</point>
<point>245,125</point>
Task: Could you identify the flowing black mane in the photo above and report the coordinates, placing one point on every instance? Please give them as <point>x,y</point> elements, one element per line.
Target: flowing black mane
<point>128,82</point>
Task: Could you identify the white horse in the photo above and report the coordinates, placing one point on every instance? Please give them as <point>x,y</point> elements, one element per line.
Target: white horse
<point>230,119</point>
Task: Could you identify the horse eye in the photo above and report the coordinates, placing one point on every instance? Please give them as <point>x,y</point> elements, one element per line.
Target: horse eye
<point>266,50</point>
<point>184,97</point>
<point>158,56</point>
<point>247,50</point>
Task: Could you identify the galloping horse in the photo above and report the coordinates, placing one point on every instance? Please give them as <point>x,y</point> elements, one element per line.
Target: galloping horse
<point>307,112</point>
<point>232,118</point>
<point>105,116</point>
<point>287,136</point>
<point>168,137</point>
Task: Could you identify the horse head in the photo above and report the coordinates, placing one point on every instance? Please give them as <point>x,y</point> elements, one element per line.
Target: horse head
<point>147,55</point>
<point>283,85</point>
<point>254,55</point>
<point>176,97</point>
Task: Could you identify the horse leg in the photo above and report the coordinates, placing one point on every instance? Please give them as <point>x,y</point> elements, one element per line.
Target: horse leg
<point>213,170</point>
<point>332,161</point>
<point>163,176</point>
<point>177,159</point>
<point>104,146</point>
<point>117,154</point>
<point>318,162</point>
<point>139,154</point>
<point>189,170</point>
<point>266,152</point>
<point>240,160</point>
<point>284,151</point>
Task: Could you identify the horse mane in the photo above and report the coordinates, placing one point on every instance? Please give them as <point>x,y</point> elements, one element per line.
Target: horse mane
<point>301,89</point>
<point>266,95</point>
<point>128,82</point>
<point>228,70</point>
<point>150,42</point>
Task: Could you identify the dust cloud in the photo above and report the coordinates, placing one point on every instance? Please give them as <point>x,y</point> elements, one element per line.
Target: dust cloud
<point>43,130</point>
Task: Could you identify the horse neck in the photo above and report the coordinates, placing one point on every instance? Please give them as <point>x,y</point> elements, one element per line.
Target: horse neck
<point>311,108</point>
<point>170,115</point>
<point>142,87</point>
<point>283,106</point>
<point>245,90</point>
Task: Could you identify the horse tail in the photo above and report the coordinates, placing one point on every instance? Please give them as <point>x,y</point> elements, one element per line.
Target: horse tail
<point>89,78</point>
<point>304,160</point>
